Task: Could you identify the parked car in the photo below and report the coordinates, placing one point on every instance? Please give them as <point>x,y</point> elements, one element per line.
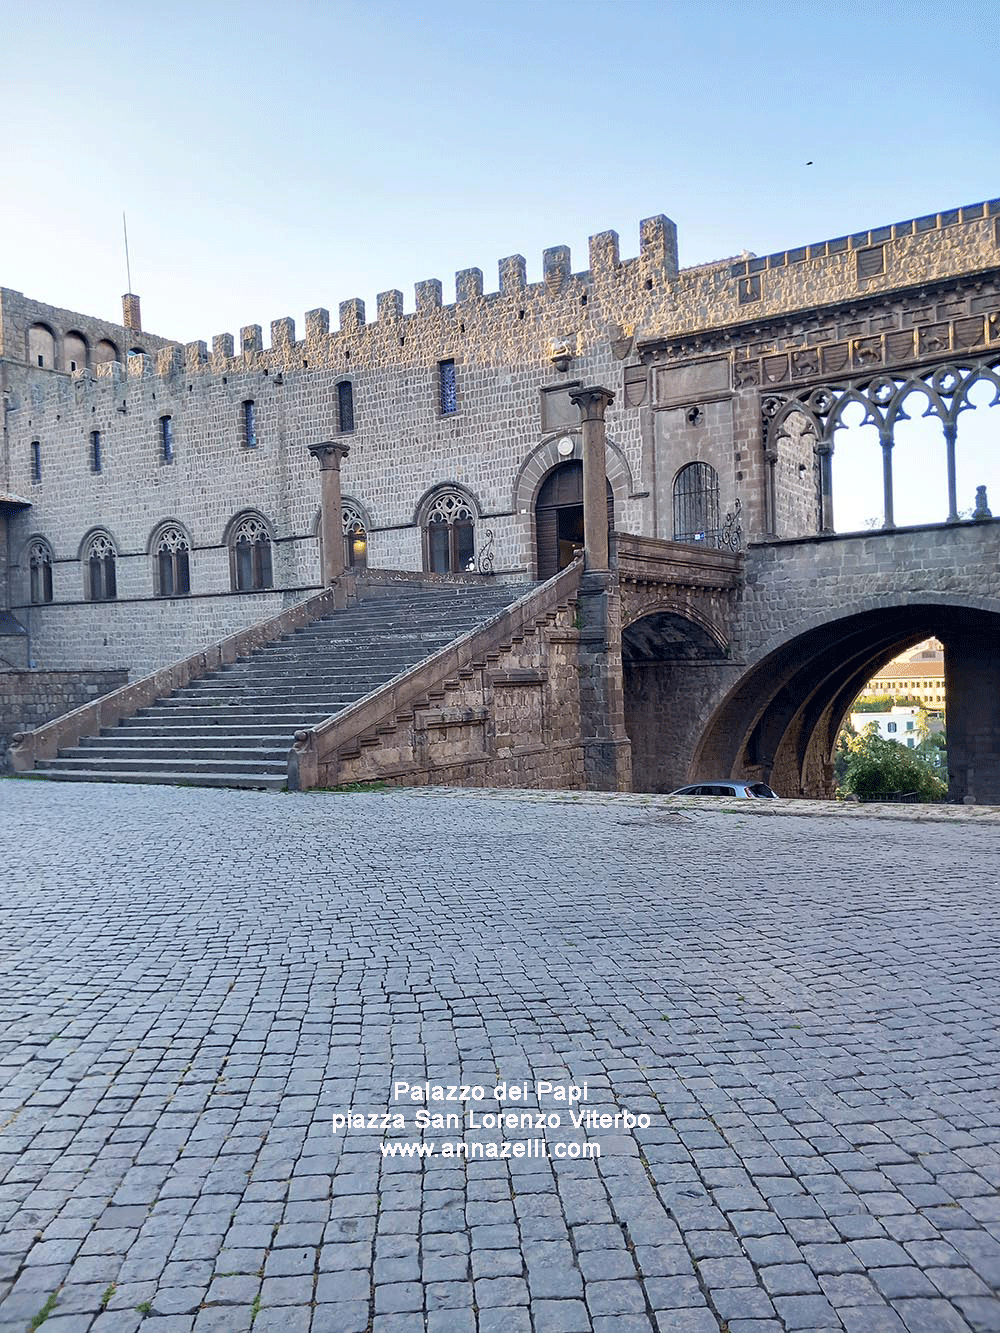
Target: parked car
<point>726,787</point>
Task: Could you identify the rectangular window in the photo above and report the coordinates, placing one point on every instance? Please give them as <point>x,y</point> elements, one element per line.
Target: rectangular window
<point>36,461</point>
<point>449,387</point>
<point>249,424</point>
<point>95,451</point>
<point>345,406</point>
<point>167,439</point>
<point>890,726</point>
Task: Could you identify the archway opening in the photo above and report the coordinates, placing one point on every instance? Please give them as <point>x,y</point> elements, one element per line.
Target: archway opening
<point>559,517</point>
<point>780,722</point>
<point>669,667</point>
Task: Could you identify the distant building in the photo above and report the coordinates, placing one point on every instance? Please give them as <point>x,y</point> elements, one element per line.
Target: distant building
<point>918,673</point>
<point>898,724</point>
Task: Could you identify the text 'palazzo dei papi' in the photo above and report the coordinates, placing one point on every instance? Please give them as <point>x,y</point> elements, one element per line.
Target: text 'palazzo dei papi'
<point>596,511</point>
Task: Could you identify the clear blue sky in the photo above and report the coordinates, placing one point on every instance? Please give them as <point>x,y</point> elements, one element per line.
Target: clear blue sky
<point>272,158</point>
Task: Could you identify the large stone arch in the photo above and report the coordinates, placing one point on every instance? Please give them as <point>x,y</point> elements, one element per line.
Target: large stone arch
<point>779,720</point>
<point>672,654</point>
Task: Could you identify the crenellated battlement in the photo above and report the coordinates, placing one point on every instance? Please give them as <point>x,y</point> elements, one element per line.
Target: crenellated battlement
<point>648,293</point>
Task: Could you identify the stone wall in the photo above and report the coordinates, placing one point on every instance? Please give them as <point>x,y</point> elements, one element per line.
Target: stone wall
<point>142,635</point>
<point>691,354</point>
<point>29,699</point>
<point>793,586</point>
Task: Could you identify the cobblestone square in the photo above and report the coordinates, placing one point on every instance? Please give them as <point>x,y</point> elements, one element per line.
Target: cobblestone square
<point>799,1015</point>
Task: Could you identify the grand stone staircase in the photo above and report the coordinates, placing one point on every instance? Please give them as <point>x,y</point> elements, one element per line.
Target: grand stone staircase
<point>234,727</point>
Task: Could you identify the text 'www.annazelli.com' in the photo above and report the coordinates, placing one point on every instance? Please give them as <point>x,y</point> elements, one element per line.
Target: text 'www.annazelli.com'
<point>491,1150</point>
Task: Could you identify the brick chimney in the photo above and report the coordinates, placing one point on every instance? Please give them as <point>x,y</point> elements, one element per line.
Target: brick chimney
<point>131,316</point>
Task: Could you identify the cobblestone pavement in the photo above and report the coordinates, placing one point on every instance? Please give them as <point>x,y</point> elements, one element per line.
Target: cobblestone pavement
<point>194,982</point>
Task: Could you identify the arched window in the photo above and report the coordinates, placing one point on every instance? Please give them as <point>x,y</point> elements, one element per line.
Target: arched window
<point>172,568</point>
<point>99,558</point>
<point>696,504</point>
<point>345,407</point>
<point>355,537</point>
<point>40,570</point>
<point>250,555</point>
<point>449,533</point>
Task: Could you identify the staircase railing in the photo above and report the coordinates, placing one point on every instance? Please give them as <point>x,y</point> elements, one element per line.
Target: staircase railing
<point>314,758</point>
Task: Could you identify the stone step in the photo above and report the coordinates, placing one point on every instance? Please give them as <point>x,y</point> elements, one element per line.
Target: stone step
<point>259,781</point>
<point>249,743</point>
<point>95,763</point>
<point>214,731</point>
<point>234,727</point>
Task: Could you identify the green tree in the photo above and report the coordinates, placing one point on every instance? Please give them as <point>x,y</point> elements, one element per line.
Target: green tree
<point>882,703</point>
<point>842,753</point>
<point>877,769</point>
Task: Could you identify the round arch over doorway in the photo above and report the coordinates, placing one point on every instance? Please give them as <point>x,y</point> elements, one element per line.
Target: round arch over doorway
<point>559,517</point>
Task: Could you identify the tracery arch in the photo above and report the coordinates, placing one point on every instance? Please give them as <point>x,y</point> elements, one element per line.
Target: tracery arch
<point>447,520</point>
<point>39,571</point>
<point>249,538</point>
<point>170,547</point>
<point>99,558</point>
<point>356,524</point>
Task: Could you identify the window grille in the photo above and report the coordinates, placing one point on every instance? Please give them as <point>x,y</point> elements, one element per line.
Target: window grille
<point>167,439</point>
<point>36,461</point>
<point>345,406</point>
<point>95,451</point>
<point>449,387</point>
<point>696,504</point>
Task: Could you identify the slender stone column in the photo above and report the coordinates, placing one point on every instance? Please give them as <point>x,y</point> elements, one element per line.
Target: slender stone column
<point>885,436</point>
<point>593,403</point>
<point>825,452</point>
<point>950,434</point>
<point>329,457</point>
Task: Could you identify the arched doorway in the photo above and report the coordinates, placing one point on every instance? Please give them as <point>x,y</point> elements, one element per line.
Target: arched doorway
<point>559,517</point>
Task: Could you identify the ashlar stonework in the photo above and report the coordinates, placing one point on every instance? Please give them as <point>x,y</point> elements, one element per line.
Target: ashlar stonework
<point>724,390</point>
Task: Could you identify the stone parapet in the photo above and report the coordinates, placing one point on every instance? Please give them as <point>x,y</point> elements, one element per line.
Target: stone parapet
<point>498,707</point>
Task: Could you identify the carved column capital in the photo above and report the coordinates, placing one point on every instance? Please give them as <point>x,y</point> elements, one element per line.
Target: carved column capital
<point>329,454</point>
<point>593,402</point>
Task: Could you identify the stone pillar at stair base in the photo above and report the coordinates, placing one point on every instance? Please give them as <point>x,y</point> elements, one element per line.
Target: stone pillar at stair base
<point>607,751</point>
<point>972,680</point>
<point>593,403</point>
<point>329,456</point>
